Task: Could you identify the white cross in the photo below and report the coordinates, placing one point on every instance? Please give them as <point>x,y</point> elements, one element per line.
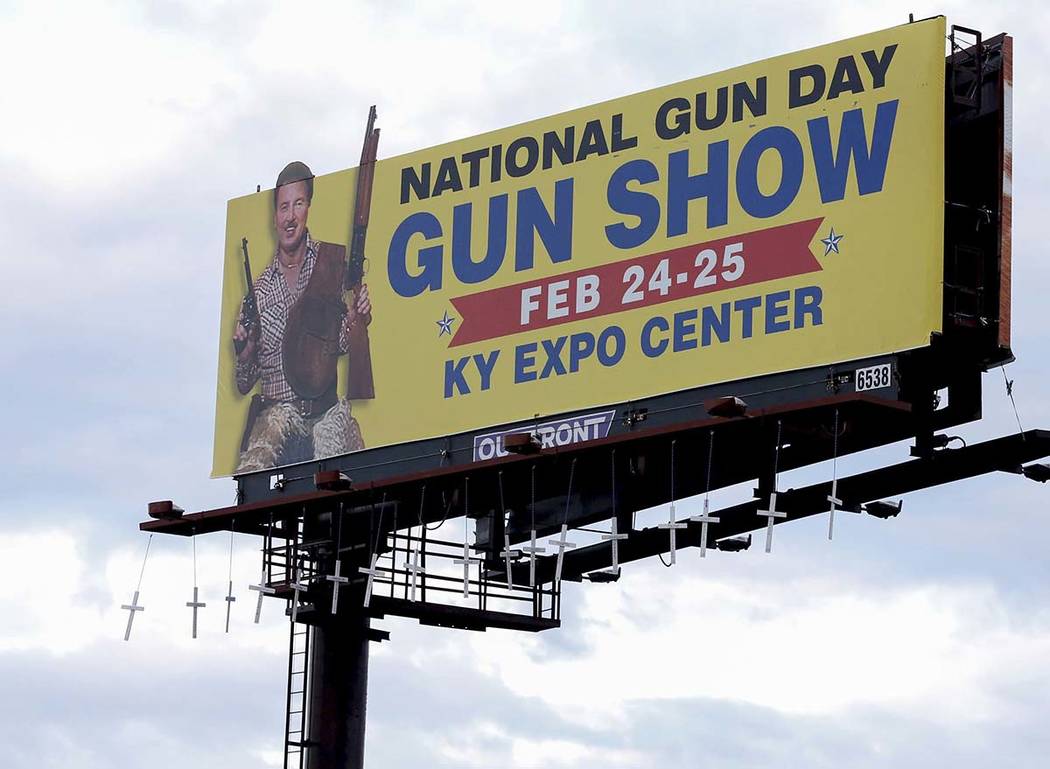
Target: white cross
<point>506,554</point>
<point>338,580</point>
<point>672,528</point>
<point>372,573</point>
<point>195,604</point>
<point>297,587</point>
<point>230,598</point>
<point>834,500</point>
<point>132,608</point>
<point>770,514</point>
<point>465,562</point>
<point>415,569</point>
<point>263,589</point>
<point>531,549</point>
<point>704,520</point>
<point>836,504</point>
<point>562,545</point>
<point>615,538</point>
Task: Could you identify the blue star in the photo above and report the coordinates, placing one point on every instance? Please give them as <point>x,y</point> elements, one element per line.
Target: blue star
<point>445,324</point>
<point>831,242</point>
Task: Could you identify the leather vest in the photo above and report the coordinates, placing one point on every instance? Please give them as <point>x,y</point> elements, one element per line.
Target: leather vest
<point>311,336</point>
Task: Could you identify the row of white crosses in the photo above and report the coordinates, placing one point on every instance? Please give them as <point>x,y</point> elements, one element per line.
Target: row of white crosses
<point>196,604</point>
<point>413,567</point>
<point>704,519</point>
<point>531,549</point>
<point>833,499</point>
<point>770,514</point>
<point>263,588</point>
<point>561,543</point>
<point>415,570</point>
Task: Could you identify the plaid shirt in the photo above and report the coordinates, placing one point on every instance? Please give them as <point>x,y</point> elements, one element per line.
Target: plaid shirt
<point>275,300</point>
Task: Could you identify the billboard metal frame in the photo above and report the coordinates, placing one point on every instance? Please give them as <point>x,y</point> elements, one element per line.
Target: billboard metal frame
<point>345,510</point>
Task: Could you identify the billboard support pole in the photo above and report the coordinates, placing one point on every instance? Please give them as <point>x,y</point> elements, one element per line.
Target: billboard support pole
<point>339,690</point>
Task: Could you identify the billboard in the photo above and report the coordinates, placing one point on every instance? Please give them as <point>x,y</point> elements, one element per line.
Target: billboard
<point>776,216</point>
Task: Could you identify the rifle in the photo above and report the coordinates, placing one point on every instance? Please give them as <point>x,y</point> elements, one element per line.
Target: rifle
<point>359,377</point>
<point>249,310</point>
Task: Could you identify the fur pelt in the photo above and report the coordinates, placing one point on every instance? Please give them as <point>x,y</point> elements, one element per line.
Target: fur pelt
<point>276,426</point>
<point>280,429</point>
<point>337,432</point>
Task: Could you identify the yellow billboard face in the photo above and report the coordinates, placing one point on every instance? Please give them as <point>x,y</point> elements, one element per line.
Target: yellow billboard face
<point>777,216</point>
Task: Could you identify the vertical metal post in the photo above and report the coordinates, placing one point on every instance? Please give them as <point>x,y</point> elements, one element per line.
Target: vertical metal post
<point>339,690</point>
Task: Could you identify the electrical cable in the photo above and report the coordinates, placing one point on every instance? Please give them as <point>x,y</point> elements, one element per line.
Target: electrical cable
<point>1010,393</point>
<point>142,571</point>
<point>661,555</point>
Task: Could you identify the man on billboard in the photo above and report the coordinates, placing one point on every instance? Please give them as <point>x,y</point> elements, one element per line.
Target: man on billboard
<point>301,326</point>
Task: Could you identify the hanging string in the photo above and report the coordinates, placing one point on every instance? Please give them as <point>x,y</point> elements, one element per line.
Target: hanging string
<point>142,571</point>
<point>193,540</point>
<point>379,528</point>
<point>1010,392</point>
<point>835,447</point>
<point>506,532</point>
<point>502,503</point>
<point>833,496</point>
<point>710,457</point>
<point>229,576</point>
<point>233,525</point>
<point>533,505</point>
<point>339,531</point>
<point>614,483</point>
<point>134,606</point>
<point>669,564</point>
<point>466,508</point>
<point>776,455</point>
<point>568,497</point>
<point>439,524</point>
<point>672,476</point>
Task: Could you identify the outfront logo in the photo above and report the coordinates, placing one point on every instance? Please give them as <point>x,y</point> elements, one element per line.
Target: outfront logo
<point>558,432</point>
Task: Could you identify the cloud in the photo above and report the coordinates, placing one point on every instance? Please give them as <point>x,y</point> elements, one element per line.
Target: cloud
<point>806,646</point>
<point>905,643</point>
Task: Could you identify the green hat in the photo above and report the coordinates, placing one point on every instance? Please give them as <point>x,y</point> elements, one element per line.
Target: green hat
<point>296,171</point>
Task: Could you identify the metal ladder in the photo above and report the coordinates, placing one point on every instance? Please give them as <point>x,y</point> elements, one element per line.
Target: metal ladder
<point>296,738</point>
<point>286,559</point>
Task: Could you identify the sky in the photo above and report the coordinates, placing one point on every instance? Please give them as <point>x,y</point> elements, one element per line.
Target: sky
<point>924,640</point>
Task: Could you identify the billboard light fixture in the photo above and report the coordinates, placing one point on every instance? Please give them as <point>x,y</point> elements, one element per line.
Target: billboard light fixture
<point>521,443</point>
<point>604,575</point>
<point>164,510</point>
<point>726,407</point>
<point>884,510</point>
<point>733,544</point>
<point>926,446</point>
<point>331,480</point>
<point>1037,471</point>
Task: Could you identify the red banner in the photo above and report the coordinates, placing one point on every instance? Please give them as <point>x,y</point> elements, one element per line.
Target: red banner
<point>641,281</point>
